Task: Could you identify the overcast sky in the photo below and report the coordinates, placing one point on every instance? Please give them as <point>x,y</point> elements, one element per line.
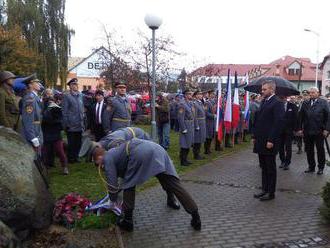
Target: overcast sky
<point>210,31</point>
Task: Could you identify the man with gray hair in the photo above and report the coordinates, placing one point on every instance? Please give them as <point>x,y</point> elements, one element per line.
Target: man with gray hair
<point>314,126</point>
<point>266,133</point>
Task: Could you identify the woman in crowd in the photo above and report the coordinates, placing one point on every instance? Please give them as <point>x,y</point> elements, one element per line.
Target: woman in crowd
<point>51,127</point>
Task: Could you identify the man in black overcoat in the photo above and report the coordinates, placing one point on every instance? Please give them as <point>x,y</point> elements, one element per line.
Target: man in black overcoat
<point>266,138</point>
<point>314,124</point>
<point>290,126</point>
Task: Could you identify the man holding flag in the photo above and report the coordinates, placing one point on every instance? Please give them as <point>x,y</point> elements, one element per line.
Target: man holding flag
<point>210,121</point>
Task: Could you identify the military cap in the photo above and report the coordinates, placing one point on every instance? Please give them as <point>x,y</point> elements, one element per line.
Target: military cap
<point>4,75</point>
<point>73,80</point>
<point>120,83</point>
<point>187,90</point>
<point>30,79</point>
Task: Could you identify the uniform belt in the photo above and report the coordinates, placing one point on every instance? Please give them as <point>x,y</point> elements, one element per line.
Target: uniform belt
<point>36,122</point>
<point>120,119</point>
<point>189,120</point>
<point>201,118</point>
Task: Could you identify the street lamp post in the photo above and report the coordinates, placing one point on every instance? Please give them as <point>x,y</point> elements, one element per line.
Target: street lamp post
<point>153,22</point>
<point>317,53</point>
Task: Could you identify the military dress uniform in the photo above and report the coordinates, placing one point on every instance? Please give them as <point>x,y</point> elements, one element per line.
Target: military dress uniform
<point>9,112</point>
<point>119,113</point>
<point>135,162</point>
<point>200,128</point>
<point>73,123</point>
<point>210,125</point>
<point>31,119</point>
<point>186,127</point>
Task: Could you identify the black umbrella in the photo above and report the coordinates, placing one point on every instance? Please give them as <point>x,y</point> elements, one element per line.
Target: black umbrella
<point>283,86</point>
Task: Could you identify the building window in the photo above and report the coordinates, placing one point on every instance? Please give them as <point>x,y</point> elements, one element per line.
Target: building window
<point>297,71</point>
<point>291,72</point>
<point>328,74</point>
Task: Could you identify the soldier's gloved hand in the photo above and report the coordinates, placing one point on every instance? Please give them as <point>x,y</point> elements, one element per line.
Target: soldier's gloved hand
<point>35,142</point>
<point>197,128</point>
<point>185,131</point>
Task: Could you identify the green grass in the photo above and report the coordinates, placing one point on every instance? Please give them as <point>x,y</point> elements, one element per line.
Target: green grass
<point>84,178</point>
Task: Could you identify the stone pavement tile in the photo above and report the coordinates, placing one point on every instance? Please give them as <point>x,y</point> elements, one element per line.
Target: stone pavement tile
<point>231,217</point>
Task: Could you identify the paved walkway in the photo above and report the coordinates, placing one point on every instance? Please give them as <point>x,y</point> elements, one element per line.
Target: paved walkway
<point>231,217</point>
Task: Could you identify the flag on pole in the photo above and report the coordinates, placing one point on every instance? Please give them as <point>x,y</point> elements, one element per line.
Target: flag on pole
<point>247,104</point>
<point>219,113</point>
<point>235,111</point>
<point>228,106</point>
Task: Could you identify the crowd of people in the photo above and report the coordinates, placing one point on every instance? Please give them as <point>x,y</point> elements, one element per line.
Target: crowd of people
<point>127,152</point>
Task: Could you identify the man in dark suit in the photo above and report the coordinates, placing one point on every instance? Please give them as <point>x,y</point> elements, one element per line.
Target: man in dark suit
<point>266,138</point>
<point>314,124</point>
<point>98,122</point>
<point>290,124</point>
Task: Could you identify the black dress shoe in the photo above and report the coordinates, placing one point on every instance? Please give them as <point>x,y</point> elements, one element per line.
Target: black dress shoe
<point>267,197</point>
<point>199,157</point>
<point>259,195</point>
<point>309,171</point>
<point>173,203</point>
<point>196,221</point>
<point>125,224</point>
<point>320,172</point>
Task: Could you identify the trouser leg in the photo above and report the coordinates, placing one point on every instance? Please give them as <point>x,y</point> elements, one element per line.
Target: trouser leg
<point>271,173</point>
<point>173,185</point>
<point>59,150</point>
<point>282,148</point>
<point>309,147</point>
<point>319,142</point>
<point>288,149</point>
<point>262,164</point>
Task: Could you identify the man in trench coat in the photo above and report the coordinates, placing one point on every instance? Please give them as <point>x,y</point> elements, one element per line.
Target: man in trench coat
<point>186,126</point>
<point>135,161</point>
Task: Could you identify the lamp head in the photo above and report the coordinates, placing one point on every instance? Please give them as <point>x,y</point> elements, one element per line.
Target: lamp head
<point>153,21</point>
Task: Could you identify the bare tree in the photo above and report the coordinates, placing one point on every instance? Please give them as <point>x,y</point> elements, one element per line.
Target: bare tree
<point>141,55</point>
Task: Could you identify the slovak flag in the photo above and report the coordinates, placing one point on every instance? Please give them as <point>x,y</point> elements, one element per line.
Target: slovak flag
<point>247,104</point>
<point>219,113</point>
<point>236,112</point>
<point>228,106</point>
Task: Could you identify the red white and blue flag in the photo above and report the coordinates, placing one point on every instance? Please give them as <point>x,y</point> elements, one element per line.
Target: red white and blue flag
<point>219,113</point>
<point>235,109</point>
<point>247,104</point>
<point>228,106</point>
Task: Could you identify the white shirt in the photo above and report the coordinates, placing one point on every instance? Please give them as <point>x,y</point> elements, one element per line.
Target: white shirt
<point>99,107</point>
<point>270,97</point>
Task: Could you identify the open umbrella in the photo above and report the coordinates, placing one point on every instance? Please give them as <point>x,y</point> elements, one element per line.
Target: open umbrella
<point>283,86</point>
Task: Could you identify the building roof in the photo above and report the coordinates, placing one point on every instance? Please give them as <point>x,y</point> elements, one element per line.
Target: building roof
<point>324,60</point>
<point>222,69</point>
<point>279,68</point>
<point>78,62</point>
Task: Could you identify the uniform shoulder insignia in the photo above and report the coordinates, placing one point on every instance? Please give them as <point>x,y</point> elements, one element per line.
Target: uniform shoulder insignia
<point>29,109</point>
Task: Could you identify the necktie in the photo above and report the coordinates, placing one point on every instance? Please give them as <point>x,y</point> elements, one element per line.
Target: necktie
<point>98,113</point>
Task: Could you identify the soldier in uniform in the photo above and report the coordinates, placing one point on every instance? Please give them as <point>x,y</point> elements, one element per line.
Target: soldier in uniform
<point>31,113</point>
<point>210,122</point>
<point>73,119</point>
<point>118,109</point>
<point>186,126</point>
<point>200,127</point>
<point>9,112</point>
<point>135,161</point>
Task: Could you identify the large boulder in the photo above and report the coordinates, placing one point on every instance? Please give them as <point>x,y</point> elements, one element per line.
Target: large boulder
<point>25,202</point>
<point>8,238</point>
